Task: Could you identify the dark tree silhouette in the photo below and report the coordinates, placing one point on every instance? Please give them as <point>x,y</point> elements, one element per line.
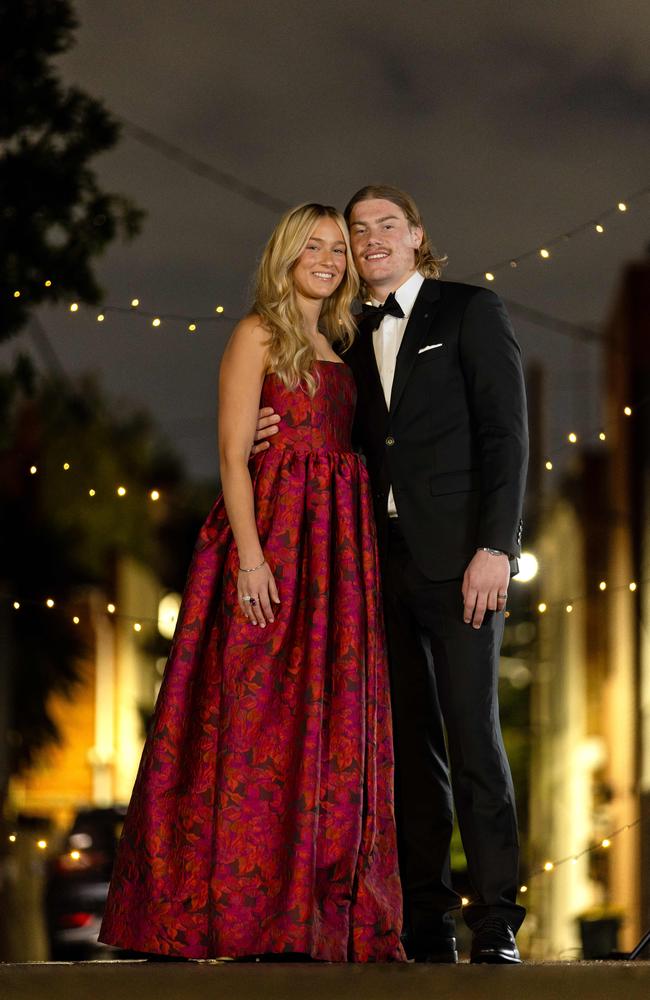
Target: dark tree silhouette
<point>55,217</point>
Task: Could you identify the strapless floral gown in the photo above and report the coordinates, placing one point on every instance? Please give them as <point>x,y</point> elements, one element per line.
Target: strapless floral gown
<point>262,817</point>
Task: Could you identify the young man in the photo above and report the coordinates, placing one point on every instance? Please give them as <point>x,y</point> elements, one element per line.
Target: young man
<point>441,420</point>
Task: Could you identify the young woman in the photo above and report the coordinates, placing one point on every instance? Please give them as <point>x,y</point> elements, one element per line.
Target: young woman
<point>261,822</point>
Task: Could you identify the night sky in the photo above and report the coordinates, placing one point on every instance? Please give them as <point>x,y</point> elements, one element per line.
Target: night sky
<point>509,123</point>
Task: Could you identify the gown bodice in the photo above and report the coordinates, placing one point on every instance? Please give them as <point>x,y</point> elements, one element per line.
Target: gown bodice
<point>310,423</point>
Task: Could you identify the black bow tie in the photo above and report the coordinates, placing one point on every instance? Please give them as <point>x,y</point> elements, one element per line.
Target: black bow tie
<point>373,315</point>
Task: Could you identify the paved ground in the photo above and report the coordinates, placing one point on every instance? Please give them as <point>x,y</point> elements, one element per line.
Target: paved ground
<point>228,981</point>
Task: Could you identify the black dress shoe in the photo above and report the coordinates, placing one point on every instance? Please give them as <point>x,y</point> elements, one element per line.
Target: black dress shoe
<point>494,943</point>
<point>441,950</point>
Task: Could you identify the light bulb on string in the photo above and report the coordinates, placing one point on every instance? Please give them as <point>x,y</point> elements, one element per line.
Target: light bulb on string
<point>622,207</point>
<point>192,327</point>
<point>544,253</point>
<point>110,608</point>
<point>548,866</point>
<point>48,283</point>
<point>154,495</point>
<point>632,586</point>
<point>602,436</point>
<point>218,309</point>
<point>573,437</point>
<point>602,585</point>
<point>74,307</point>
<point>16,294</point>
<point>548,465</point>
<point>135,303</point>
<point>121,491</point>
<point>49,602</point>
<point>156,321</point>
<point>137,627</point>
<point>100,317</point>
<point>627,410</point>
<point>599,228</point>
<point>542,607</point>
<point>91,493</point>
<point>16,605</point>
<point>33,470</point>
<point>489,276</point>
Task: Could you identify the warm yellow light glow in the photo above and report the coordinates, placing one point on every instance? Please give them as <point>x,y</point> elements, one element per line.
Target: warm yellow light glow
<point>523,888</point>
<point>606,842</point>
<point>219,309</point>
<point>91,493</point>
<point>632,586</point>
<point>602,436</point>
<point>16,294</point>
<point>137,627</point>
<point>76,620</point>
<point>541,608</point>
<point>569,609</point>
<point>48,283</point>
<point>154,495</point>
<point>513,263</point>
<point>168,609</point>
<point>17,605</point>
<point>627,410</point>
<point>12,838</point>
<point>192,327</point>
<point>464,900</point>
<point>50,602</point>
<point>544,253</point>
<point>135,303</point>
<point>548,866</point>
<point>41,844</point>
<point>110,608</point>
<point>74,307</point>
<point>33,470</point>
<point>121,491</point>
<point>489,275</point>
<point>599,228</point>
<point>603,585</point>
<point>155,322</point>
<point>528,568</point>
<point>549,465</point>
<point>75,855</point>
<point>573,437</point>
<point>66,466</point>
<point>101,318</point>
<point>574,861</point>
<point>622,207</point>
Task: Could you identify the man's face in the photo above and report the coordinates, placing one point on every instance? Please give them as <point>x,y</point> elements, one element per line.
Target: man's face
<point>383,244</point>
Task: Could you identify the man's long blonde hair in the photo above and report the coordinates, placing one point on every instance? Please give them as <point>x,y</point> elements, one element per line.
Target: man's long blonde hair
<point>290,351</point>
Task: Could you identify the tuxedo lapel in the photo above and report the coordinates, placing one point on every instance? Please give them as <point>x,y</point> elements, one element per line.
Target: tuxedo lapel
<point>422,316</point>
<point>370,371</point>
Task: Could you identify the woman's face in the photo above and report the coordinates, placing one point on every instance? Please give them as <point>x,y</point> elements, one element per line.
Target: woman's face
<point>320,269</point>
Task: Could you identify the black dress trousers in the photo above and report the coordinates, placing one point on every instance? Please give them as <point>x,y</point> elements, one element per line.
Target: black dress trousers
<point>444,689</point>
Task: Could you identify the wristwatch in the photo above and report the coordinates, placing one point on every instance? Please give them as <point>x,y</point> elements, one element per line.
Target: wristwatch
<point>493,552</point>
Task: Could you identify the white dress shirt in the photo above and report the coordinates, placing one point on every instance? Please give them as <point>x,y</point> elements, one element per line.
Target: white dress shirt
<point>387,339</point>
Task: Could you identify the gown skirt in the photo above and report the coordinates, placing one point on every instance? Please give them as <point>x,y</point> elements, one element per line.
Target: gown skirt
<point>262,818</point>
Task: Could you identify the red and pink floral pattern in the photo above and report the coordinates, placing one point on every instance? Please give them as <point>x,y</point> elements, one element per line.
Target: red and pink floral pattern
<point>262,814</point>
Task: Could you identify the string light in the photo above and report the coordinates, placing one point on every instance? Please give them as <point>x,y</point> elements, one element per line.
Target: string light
<point>137,627</point>
<point>91,493</point>
<point>12,838</point>
<point>155,495</point>
<point>66,466</point>
<point>74,307</point>
<point>111,609</point>
<point>627,410</point>
<point>569,609</point>
<point>16,605</point>
<point>602,436</point>
<point>604,844</point>
<point>599,228</point>
<point>135,303</point>
<point>75,855</point>
<point>33,470</point>
<point>192,327</point>
<point>544,253</point>
<point>549,464</point>
<point>121,491</point>
<point>602,585</point>
<point>41,844</point>
<point>464,901</point>
<point>75,620</point>
<point>541,607</point>
<point>632,586</point>
<point>622,207</point>
<point>573,437</point>
<point>48,283</point>
<point>101,318</point>
<point>489,276</point>
<point>219,309</point>
<point>49,602</point>
<point>16,294</point>
<point>155,321</point>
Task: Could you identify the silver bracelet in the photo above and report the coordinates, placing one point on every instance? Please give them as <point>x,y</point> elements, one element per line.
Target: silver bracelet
<point>493,552</point>
<point>242,570</point>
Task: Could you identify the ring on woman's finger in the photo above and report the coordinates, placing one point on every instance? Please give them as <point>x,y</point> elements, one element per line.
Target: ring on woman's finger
<point>250,600</point>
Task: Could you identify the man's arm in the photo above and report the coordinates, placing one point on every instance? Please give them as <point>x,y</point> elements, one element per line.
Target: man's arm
<point>491,362</point>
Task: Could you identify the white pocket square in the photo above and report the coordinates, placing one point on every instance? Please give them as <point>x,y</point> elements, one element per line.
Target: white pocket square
<point>429,347</point>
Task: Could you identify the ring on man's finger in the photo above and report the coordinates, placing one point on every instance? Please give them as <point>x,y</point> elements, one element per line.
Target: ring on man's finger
<point>502,597</point>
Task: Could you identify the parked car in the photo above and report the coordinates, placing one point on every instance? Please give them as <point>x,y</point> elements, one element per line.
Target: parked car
<point>77,884</point>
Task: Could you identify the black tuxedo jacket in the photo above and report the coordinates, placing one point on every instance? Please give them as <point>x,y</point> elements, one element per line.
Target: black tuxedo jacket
<point>454,443</point>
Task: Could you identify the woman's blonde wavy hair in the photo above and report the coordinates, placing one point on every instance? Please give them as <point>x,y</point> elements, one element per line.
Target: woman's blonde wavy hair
<point>427,261</point>
<point>290,351</point>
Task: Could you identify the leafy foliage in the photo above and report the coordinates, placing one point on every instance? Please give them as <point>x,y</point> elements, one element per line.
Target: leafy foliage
<point>56,219</point>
